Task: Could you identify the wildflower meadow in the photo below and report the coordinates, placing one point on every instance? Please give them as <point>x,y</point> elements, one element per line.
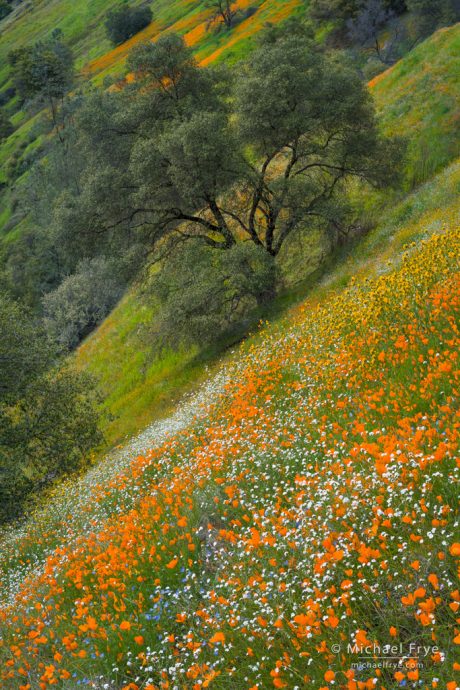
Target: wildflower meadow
<point>301,531</point>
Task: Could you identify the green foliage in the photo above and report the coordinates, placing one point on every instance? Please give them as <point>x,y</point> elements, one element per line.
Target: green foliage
<point>182,87</point>
<point>126,21</point>
<point>48,419</point>
<point>170,157</point>
<point>44,69</point>
<point>81,302</point>
<point>206,295</point>
<point>25,352</point>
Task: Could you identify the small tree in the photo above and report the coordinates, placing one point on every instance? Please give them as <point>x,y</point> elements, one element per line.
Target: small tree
<point>126,21</point>
<point>44,71</point>
<point>223,12</point>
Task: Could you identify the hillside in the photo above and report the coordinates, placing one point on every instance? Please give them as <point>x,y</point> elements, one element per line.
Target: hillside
<point>278,511</point>
<point>137,385</point>
<point>311,505</point>
<point>419,97</point>
<point>82,25</point>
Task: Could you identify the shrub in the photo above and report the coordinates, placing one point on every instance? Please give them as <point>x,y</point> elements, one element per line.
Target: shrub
<point>126,21</point>
<point>81,302</point>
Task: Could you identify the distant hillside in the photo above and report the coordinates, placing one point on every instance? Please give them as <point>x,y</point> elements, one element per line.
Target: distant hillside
<point>82,22</point>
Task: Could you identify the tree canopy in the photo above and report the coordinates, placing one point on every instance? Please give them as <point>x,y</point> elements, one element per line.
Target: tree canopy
<point>168,154</point>
<point>125,21</point>
<point>44,69</point>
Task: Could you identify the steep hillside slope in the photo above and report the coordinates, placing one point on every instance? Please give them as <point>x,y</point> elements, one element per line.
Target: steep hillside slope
<point>307,516</point>
<point>418,98</point>
<point>299,514</point>
<point>82,24</point>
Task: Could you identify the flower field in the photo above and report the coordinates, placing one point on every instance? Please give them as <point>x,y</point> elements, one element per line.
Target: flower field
<point>301,525</point>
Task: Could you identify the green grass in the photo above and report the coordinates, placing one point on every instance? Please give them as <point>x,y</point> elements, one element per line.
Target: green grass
<point>137,386</point>
<point>419,98</point>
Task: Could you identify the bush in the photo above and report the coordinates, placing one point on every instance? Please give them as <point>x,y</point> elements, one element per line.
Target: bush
<point>126,21</point>
<point>206,294</point>
<point>48,418</point>
<point>81,302</point>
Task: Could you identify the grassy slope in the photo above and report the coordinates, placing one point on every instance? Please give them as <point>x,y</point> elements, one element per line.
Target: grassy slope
<point>419,97</point>
<point>82,23</point>
<point>138,388</point>
<point>326,474</point>
<point>324,481</point>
